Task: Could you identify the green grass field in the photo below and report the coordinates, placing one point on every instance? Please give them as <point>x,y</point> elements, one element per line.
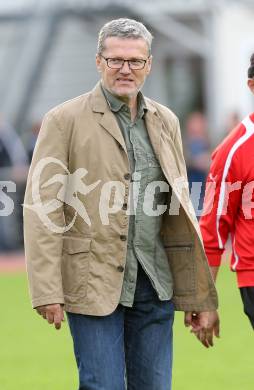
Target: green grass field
<point>34,356</point>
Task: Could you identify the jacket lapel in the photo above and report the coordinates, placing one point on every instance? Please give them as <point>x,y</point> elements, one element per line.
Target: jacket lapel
<point>163,145</point>
<point>154,128</point>
<point>107,120</point>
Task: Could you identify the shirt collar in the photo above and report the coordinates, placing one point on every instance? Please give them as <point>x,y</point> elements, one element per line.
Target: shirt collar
<point>117,104</point>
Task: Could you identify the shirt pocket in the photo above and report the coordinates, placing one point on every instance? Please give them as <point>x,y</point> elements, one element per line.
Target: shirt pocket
<point>155,172</point>
<point>75,266</point>
<point>183,268</point>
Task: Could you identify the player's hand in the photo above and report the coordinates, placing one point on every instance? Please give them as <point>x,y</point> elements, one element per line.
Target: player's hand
<point>205,325</point>
<point>54,314</point>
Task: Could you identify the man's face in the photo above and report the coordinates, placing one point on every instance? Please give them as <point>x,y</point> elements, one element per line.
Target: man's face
<point>124,82</point>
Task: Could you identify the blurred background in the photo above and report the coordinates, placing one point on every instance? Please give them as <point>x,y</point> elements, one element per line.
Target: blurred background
<point>201,52</point>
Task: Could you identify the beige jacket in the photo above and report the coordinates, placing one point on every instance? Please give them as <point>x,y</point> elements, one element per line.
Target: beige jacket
<point>82,267</point>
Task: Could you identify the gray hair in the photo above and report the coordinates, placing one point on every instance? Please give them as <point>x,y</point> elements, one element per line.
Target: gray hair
<point>124,28</point>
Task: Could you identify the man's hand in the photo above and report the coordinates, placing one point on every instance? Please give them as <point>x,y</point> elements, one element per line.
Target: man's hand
<point>204,325</point>
<point>54,314</point>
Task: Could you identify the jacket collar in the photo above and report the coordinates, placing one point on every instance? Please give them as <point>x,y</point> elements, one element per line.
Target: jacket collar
<point>117,105</point>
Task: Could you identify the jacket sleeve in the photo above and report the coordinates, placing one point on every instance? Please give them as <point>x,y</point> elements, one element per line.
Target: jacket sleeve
<point>43,215</point>
<point>222,202</point>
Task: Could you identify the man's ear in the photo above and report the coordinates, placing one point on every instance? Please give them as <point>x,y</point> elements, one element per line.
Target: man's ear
<point>250,83</point>
<point>149,63</point>
<point>98,62</point>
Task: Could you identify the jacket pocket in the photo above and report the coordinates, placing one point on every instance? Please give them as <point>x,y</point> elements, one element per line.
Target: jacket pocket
<point>183,268</point>
<point>75,266</point>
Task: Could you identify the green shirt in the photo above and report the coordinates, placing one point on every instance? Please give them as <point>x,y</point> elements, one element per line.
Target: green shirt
<point>144,241</point>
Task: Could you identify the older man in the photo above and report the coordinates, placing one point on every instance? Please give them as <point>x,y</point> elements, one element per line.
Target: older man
<point>102,243</point>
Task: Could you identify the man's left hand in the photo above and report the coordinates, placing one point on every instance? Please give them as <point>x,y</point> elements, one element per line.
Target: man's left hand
<point>204,325</point>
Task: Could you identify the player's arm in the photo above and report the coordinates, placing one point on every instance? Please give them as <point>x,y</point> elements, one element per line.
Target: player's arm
<point>221,206</point>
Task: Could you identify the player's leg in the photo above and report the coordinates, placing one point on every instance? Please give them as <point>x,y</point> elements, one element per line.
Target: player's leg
<point>247,295</point>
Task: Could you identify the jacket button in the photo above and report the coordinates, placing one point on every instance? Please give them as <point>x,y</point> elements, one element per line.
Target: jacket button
<point>127,176</point>
<point>125,205</point>
<point>120,268</point>
<point>123,237</point>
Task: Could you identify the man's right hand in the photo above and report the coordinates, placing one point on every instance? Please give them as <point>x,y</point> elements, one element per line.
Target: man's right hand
<point>54,314</point>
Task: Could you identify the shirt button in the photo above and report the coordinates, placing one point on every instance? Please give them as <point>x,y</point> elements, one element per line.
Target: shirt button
<point>123,237</point>
<point>120,268</point>
<point>125,205</point>
<point>127,176</point>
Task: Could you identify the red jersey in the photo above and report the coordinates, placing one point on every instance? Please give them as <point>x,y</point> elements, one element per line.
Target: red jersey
<point>229,202</point>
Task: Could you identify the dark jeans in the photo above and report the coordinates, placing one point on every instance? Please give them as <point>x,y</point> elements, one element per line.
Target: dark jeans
<point>247,295</point>
<point>135,341</point>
